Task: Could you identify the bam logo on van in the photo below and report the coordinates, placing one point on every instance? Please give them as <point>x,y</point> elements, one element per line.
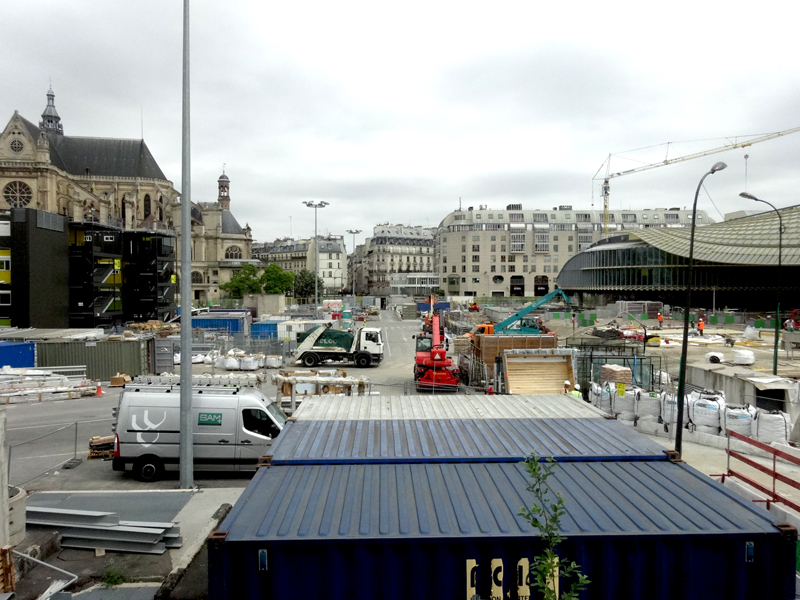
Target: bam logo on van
<point>209,419</point>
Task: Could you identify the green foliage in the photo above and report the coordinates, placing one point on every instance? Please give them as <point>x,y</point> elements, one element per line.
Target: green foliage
<point>304,284</point>
<point>274,280</point>
<point>243,281</point>
<point>112,576</point>
<point>545,515</point>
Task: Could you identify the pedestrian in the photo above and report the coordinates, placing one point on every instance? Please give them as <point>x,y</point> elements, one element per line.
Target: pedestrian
<point>566,387</point>
<point>700,326</point>
<point>660,321</point>
<point>577,391</point>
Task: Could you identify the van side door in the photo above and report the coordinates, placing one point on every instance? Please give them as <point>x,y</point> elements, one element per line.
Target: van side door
<point>214,432</point>
<point>256,431</point>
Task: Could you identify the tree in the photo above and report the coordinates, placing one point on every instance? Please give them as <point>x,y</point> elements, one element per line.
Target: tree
<point>244,281</point>
<point>304,284</point>
<point>274,280</point>
<point>545,515</point>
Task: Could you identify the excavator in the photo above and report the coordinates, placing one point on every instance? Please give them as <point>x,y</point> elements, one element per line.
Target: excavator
<point>528,325</point>
<point>433,371</point>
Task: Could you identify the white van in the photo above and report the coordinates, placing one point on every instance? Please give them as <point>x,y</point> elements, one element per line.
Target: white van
<point>232,428</point>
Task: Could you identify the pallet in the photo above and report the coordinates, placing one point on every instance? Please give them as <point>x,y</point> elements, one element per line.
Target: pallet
<point>100,454</point>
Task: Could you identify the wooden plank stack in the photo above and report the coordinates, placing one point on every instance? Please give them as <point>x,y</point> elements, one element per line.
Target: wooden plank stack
<point>616,374</point>
<point>490,346</point>
<point>101,446</point>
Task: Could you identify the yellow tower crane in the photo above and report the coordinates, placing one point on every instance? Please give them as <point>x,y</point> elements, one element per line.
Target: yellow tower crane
<point>670,161</point>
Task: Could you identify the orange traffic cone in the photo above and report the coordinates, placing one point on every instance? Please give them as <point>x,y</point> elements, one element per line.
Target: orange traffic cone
<point>99,392</point>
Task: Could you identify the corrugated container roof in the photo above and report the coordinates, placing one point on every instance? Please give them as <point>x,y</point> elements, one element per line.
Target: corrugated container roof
<point>397,502</point>
<point>445,407</point>
<point>460,440</point>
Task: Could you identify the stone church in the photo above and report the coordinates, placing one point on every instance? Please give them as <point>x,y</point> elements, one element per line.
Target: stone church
<point>109,181</point>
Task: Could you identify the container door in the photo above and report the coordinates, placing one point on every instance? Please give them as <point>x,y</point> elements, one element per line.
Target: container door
<point>214,438</point>
<point>256,431</point>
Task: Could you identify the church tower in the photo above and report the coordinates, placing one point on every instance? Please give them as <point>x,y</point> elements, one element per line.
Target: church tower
<point>51,122</point>
<point>223,197</point>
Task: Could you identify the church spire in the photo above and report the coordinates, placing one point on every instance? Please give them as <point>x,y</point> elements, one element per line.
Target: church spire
<point>223,197</point>
<point>51,122</point>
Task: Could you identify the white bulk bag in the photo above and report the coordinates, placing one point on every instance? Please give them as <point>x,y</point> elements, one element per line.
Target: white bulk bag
<point>714,357</point>
<point>738,419</point>
<point>743,357</point>
<point>600,396</point>
<point>705,410</point>
<point>625,406</point>
<point>649,406</point>
<point>770,426</point>
<point>669,409</point>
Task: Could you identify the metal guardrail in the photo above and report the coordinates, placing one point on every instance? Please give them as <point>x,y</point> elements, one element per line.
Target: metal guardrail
<point>772,494</point>
<point>24,465</point>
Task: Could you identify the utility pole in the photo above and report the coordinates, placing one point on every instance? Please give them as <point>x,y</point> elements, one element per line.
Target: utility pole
<point>354,232</point>
<point>315,206</point>
<point>186,448</point>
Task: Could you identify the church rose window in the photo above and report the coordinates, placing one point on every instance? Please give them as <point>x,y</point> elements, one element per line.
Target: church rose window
<point>18,194</point>
<point>233,252</point>
<point>17,146</point>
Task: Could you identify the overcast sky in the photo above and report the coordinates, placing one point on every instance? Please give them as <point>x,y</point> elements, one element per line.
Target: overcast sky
<point>392,111</point>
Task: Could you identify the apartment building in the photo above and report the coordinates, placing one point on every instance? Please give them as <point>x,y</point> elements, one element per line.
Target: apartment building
<point>516,252</point>
<point>296,255</point>
<point>393,250</point>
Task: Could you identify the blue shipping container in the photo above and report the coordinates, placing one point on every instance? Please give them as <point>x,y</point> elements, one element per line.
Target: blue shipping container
<point>264,329</point>
<point>647,530</point>
<point>231,325</point>
<point>460,440</point>
<point>17,354</point>
<point>426,306</point>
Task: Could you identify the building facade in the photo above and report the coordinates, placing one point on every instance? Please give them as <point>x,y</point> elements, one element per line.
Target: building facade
<point>296,255</point>
<point>220,246</point>
<point>393,249</point>
<point>516,252</point>
<point>740,263</point>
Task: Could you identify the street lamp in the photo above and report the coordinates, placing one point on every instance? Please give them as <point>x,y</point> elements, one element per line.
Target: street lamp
<point>780,250</point>
<point>315,206</point>
<point>354,232</point>
<point>687,309</point>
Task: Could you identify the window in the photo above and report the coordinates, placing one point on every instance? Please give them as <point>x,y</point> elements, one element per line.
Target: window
<point>476,258</point>
<point>147,209</point>
<point>493,258</point>
<point>476,238</point>
<point>533,268</point>
<point>476,268</point>
<point>18,194</point>
<point>453,269</point>
<point>570,250</point>
<point>583,217</point>
<point>502,247</point>
<point>555,238</point>
<point>569,239</point>
<point>477,218</point>
<point>458,218</point>
<point>511,258</point>
<point>555,247</point>
<point>502,268</point>
<point>463,268</point>
<point>491,216</point>
<point>330,265</point>
<point>524,268</point>
<point>512,268</point>
<point>547,268</point>
<point>500,216</point>
<point>494,247</point>
<point>197,277</point>
<point>498,279</point>
<point>463,238</point>
<point>5,298</point>
<point>444,261</point>
<point>516,217</point>
<point>494,239</point>
<point>5,264</point>
<point>476,279</point>
<point>502,258</point>
<point>463,280</point>
<point>463,247</point>
<point>655,215</point>
<point>257,421</point>
<point>555,268</point>
<point>233,253</point>
<point>463,258</point>
<point>628,218</point>
<point>493,269</point>
<point>476,247</point>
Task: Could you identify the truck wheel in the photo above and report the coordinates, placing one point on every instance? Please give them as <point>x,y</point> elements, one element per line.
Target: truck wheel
<point>363,360</point>
<point>148,468</point>
<point>310,359</point>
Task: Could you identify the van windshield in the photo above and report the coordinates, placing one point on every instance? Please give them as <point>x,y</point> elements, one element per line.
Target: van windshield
<point>277,414</point>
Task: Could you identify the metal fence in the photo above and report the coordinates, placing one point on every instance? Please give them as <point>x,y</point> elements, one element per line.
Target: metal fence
<point>41,454</point>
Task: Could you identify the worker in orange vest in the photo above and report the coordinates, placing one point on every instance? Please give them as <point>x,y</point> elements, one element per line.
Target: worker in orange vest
<point>660,320</point>
<point>700,326</point>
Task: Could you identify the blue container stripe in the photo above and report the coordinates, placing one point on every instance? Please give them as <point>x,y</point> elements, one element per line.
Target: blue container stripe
<point>394,502</point>
<point>233,325</point>
<point>460,440</point>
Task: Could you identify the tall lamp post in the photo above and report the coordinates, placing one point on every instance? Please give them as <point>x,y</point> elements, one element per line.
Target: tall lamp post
<point>354,232</point>
<point>778,294</point>
<point>687,309</point>
<point>315,206</point>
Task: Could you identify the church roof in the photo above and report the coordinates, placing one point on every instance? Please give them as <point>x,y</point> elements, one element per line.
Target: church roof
<point>230,224</point>
<point>104,157</point>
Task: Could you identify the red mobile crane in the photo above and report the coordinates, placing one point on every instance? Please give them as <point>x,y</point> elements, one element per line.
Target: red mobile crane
<point>433,371</point>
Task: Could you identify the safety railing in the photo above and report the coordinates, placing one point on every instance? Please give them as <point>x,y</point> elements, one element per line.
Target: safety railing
<point>32,458</point>
<point>771,492</point>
